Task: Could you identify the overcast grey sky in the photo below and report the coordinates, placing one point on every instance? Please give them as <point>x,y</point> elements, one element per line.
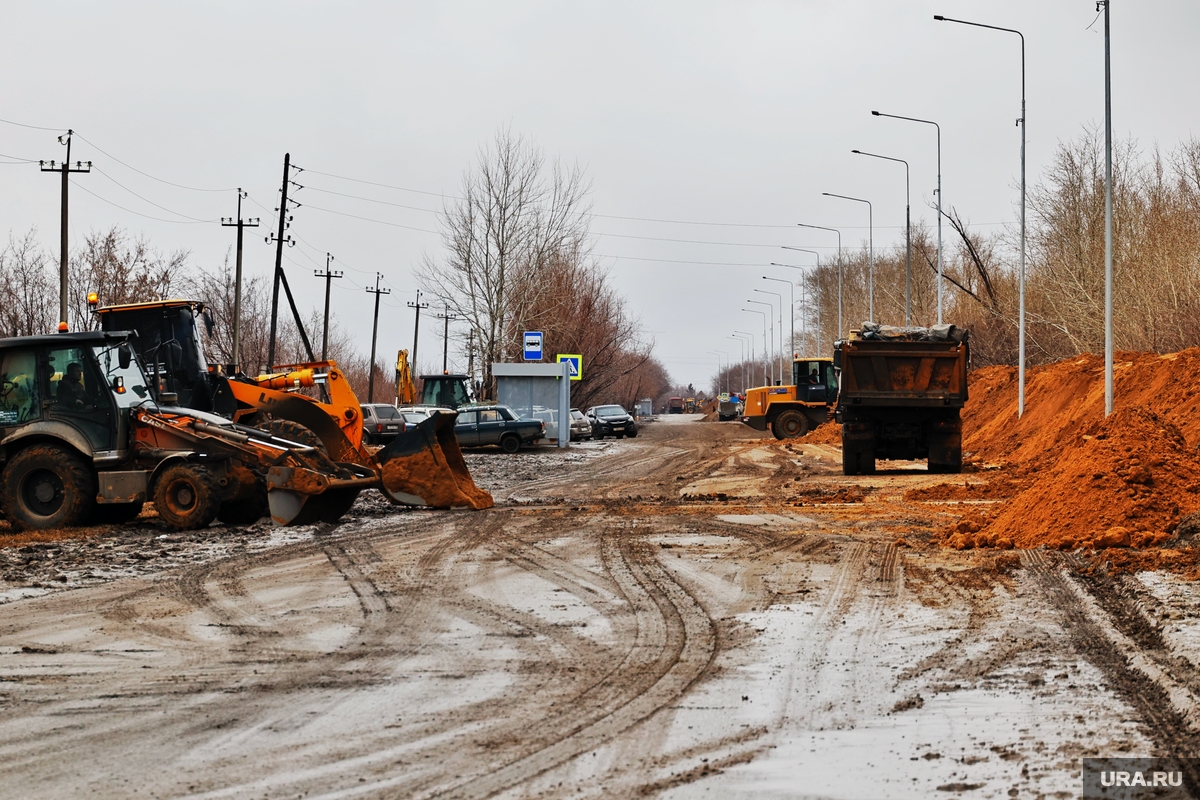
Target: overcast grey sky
<point>700,112</point>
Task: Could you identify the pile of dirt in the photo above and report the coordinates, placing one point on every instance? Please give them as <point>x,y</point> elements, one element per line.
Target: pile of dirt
<point>1127,481</point>
<point>1065,400</point>
<point>710,417</point>
<point>964,490</point>
<point>825,433</point>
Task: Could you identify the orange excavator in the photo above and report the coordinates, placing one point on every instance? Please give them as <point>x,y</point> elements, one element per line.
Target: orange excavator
<point>423,466</point>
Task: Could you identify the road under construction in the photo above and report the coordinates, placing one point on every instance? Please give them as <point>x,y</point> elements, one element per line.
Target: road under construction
<point>702,611</point>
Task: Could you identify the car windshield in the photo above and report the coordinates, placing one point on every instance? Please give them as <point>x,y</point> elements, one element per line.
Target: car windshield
<point>414,417</point>
<point>386,412</point>
<point>576,414</point>
<point>609,411</point>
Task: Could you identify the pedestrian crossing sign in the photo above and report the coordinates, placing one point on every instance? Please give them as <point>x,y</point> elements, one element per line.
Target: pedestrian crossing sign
<point>576,362</point>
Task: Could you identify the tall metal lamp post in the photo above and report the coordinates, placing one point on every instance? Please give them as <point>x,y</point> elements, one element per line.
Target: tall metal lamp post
<point>871,257</point>
<point>839,270</point>
<point>748,339</point>
<point>803,318</point>
<point>907,234</point>
<point>791,307</point>
<point>818,255</point>
<point>780,352</point>
<point>753,358</point>
<point>766,353</point>
<point>742,343</point>
<point>939,194</point>
<point>1021,124</point>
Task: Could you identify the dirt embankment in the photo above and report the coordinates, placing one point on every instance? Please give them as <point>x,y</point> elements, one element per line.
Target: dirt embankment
<point>1086,481</point>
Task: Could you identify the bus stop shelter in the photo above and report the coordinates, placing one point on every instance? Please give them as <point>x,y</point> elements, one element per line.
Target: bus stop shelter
<point>538,391</point>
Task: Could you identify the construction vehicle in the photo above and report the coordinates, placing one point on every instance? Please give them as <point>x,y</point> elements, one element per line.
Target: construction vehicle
<point>448,390</point>
<point>689,405</point>
<point>83,439</point>
<point>795,409</point>
<point>675,405</point>
<point>168,341</point>
<point>902,393</point>
<point>728,407</point>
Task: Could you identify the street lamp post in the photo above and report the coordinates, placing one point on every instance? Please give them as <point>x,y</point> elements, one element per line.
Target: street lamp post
<point>742,342</point>
<point>818,255</point>
<point>907,234</point>
<point>727,366</point>
<point>717,353</point>
<point>803,318</point>
<point>791,307</point>
<point>1021,123</point>
<point>780,355</point>
<point>1108,220</point>
<point>769,356</point>
<point>766,353</point>
<point>753,360</point>
<point>871,251</point>
<point>839,270</point>
<point>939,202</point>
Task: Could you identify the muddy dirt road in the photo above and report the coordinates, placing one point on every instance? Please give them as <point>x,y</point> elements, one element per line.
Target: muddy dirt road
<point>694,613</point>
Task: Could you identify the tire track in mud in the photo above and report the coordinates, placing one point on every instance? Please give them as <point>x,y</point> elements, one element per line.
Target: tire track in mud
<point>1161,723</point>
<point>673,647</point>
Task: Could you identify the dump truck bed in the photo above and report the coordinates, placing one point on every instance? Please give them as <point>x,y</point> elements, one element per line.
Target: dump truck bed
<point>903,373</point>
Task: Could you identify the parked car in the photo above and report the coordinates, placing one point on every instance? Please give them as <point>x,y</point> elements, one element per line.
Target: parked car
<point>479,426</point>
<point>581,428</point>
<point>611,421</point>
<point>415,415</point>
<point>382,423</point>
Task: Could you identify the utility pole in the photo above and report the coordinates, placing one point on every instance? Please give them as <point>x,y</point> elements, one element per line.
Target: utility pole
<point>374,333</point>
<point>417,325</point>
<point>66,169</point>
<point>280,240</point>
<point>447,316</point>
<point>240,224</point>
<point>1108,220</point>
<point>328,275</point>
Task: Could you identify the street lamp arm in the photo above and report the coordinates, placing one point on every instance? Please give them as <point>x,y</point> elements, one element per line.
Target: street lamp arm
<point>940,18</point>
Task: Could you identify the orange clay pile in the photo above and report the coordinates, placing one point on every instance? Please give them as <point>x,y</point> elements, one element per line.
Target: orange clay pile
<point>1087,482</point>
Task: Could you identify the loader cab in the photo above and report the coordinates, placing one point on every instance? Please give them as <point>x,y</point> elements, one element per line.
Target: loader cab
<point>446,391</point>
<point>815,380</point>
<point>83,382</point>
<point>168,342</point>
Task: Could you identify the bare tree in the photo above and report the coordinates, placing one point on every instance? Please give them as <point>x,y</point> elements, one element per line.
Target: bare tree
<point>27,287</point>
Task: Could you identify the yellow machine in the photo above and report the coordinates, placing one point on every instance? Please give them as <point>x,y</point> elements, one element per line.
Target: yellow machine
<point>790,411</point>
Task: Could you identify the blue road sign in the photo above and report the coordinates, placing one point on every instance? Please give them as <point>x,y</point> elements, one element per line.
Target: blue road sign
<point>576,362</point>
<point>533,345</point>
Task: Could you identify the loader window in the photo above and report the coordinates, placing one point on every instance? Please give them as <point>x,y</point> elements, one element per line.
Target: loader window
<point>74,384</point>
<point>128,385</point>
<point>18,387</point>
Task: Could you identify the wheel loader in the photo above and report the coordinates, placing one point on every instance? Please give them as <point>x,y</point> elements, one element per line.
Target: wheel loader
<point>795,409</point>
<point>83,439</point>
<point>423,466</point>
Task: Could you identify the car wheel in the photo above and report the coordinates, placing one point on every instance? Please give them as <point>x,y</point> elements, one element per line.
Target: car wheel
<point>631,432</point>
<point>510,443</point>
<point>46,486</point>
<point>187,496</point>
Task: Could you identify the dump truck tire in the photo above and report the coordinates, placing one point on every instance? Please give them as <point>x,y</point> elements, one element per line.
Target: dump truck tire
<point>510,443</point>
<point>187,497</point>
<point>790,425</point>
<point>46,486</point>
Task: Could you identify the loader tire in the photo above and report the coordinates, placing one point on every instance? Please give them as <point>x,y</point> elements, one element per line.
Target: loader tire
<point>46,486</point>
<point>116,513</point>
<point>294,432</point>
<point>789,425</point>
<point>248,510</point>
<point>187,496</point>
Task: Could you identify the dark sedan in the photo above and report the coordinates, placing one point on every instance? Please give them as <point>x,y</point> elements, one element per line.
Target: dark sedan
<point>611,421</point>
<point>478,426</point>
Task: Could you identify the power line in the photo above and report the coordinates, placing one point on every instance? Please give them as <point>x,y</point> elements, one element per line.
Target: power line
<point>76,184</point>
<point>383,185</point>
<point>151,202</point>
<point>373,200</point>
<point>368,219</point>
<point>35,127</point>
<point>148,175</point>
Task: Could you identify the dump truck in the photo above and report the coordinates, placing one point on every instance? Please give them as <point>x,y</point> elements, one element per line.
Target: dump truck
<point>795,409</point>
<point>168,342</point>
<point>675,405</point>
<point>902,393</point>
<point>728,407</point>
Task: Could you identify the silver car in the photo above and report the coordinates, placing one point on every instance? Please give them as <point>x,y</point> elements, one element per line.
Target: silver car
<point>581,428</point>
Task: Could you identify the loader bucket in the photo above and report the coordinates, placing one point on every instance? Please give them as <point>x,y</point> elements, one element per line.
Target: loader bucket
<point>301,496</point>
<point>425,467</point>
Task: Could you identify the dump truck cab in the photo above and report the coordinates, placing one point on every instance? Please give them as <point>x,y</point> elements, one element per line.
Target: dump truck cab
<point>794,410</point>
